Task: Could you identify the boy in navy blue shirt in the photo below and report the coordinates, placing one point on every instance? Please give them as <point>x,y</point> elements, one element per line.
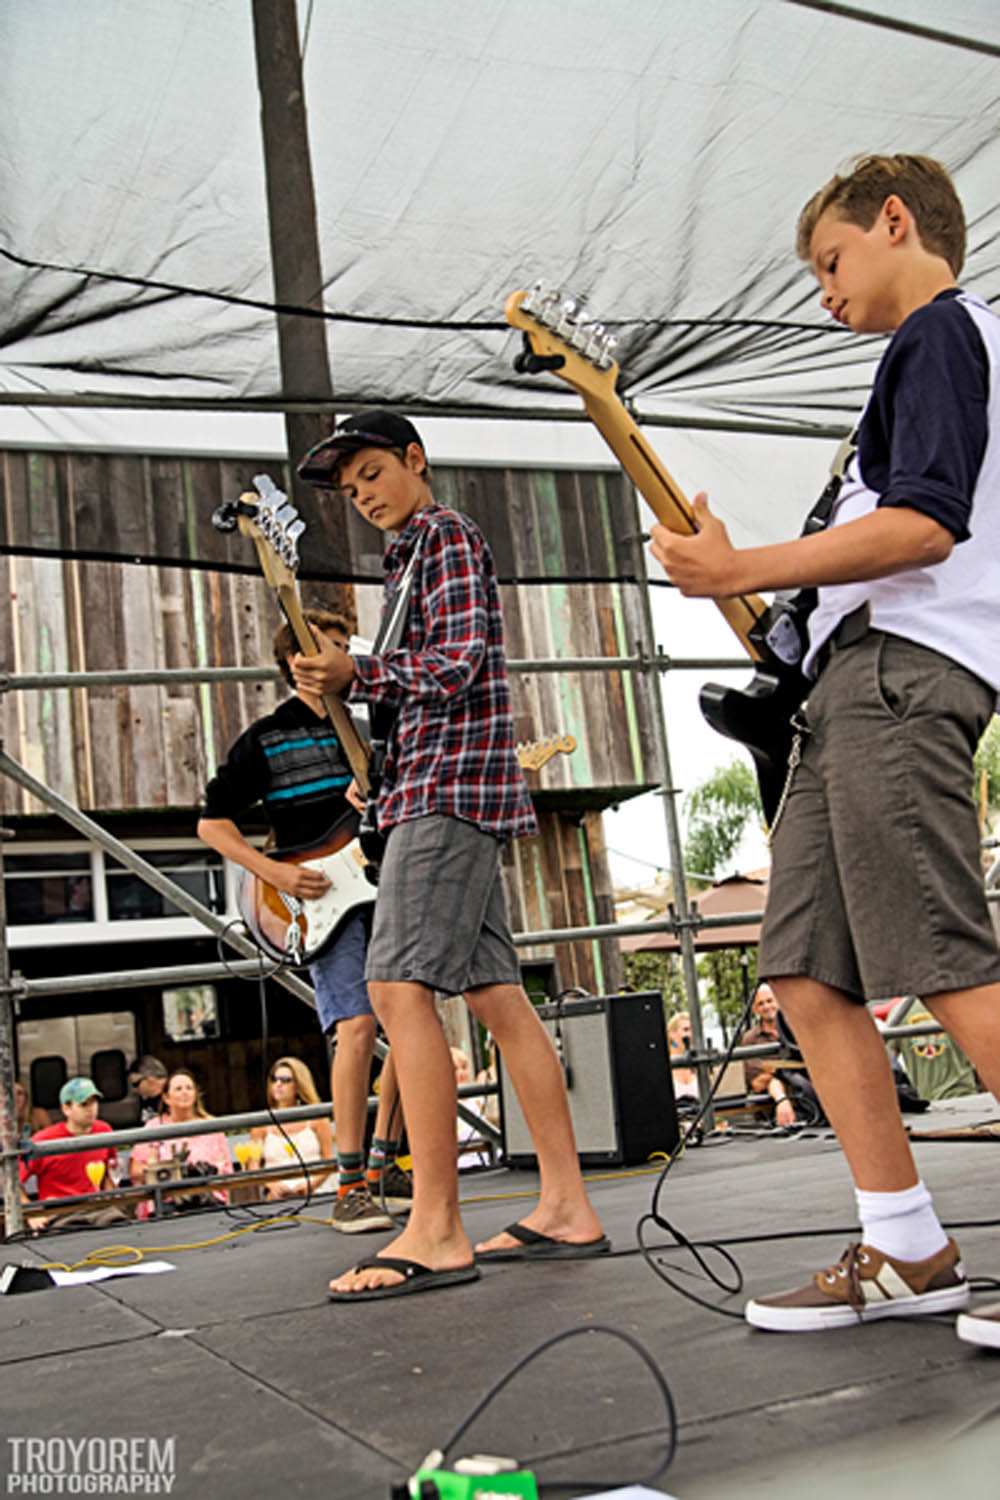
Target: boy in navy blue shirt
<point>877,886</point>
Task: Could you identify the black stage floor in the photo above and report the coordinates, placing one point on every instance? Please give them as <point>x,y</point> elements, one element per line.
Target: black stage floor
<point>269,1389</point>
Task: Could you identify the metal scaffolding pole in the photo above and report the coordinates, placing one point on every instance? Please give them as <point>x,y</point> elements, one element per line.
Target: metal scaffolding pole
<point>686,920</point>
<point>13,1216</point>
<point>656,660</point>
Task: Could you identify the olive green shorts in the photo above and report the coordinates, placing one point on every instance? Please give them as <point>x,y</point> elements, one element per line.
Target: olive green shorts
<point>877,885</point>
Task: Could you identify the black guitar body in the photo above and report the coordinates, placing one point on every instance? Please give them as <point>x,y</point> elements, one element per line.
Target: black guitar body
<point>759,717</point>
<point>372,842</point>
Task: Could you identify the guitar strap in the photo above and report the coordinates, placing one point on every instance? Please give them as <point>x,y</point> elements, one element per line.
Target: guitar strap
<point>390,635</point>
<point>781,631</point>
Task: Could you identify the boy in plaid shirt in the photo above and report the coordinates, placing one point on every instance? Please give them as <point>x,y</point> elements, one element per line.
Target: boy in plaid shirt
<point>451,793</point>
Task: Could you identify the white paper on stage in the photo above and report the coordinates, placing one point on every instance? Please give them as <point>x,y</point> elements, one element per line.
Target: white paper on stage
<point>105,1273</point>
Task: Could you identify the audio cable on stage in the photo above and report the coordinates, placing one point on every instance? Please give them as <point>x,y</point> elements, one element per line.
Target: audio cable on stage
<point>438,1466</point>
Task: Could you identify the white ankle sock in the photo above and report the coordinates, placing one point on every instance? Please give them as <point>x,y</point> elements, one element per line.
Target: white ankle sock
<point>903,1225</point>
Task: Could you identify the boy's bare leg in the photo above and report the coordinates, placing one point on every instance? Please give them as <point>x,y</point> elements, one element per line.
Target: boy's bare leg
<point>388,1116</point>
<point>433,1235</point>
<point>350,1073</point>
<point>847,1062</point>
<point>972,1018</point>
<point>563,1210</point>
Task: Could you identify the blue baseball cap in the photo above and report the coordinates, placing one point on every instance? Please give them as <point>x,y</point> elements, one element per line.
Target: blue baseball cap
<point>78,1091</point>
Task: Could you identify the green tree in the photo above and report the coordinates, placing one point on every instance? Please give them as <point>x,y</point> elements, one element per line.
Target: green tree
<point>728,981</point>
<point>656,970</point>
<point>988,760</point>
<point>718,812</point>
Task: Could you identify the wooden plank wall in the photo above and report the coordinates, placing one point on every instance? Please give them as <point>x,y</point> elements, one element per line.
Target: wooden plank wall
<point>141,749</point>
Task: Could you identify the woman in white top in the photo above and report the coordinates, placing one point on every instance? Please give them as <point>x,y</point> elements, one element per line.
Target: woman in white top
<point>290,1083</point>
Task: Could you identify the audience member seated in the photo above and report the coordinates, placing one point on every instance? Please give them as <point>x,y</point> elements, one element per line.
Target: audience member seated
<point>81,1171</point>
<point>182,1102</point>
<point>936,1066</point>
<point>489,1105</point>
<point>148,1077</point>
<point>678,1043</point>
<point>472,1150</point>
<point>789,1091</point>
<point>290,1083</point>
<point>29,1118</point>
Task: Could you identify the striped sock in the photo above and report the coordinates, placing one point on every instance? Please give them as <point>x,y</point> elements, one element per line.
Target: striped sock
<point>380,1154</point>
<point>350,1171</point>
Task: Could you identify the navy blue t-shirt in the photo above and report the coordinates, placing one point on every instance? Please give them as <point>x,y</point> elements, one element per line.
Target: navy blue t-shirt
<point>924,431</point>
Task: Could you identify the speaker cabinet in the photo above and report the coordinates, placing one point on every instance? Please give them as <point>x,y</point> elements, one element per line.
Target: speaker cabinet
<point>613,1050</point>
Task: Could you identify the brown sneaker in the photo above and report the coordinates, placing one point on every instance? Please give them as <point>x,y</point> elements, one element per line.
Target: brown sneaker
<point>355,1213</point>
<point>392,1189</point>
<point>864,1285</point>
<point>981,1327</point>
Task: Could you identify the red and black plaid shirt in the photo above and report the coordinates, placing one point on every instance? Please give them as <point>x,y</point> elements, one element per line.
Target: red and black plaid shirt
<point>451,749</point>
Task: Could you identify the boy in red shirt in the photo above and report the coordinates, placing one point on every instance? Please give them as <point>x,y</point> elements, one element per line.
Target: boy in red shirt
<point>65,1176</point>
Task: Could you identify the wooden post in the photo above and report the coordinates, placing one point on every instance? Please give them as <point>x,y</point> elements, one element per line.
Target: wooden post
<point>295,255</point>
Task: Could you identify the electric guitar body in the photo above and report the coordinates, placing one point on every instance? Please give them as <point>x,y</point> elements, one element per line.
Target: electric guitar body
<point>294,931</point>
<point>556,338</point>
<point>759,717</point>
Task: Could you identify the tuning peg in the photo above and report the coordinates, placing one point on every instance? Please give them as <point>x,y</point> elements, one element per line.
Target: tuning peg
<point>547,308</point>
<point>531,299</point>
<point>570,311</point>
<point>596,338</point>
<point>606,358</point>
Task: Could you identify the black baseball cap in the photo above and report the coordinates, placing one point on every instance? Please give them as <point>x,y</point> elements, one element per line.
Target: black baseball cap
<point>366,429</point>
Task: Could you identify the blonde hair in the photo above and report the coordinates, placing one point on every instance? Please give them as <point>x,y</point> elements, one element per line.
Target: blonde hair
<point>924,186</point>
<point>201,1113</point>
<point>305,1085</point>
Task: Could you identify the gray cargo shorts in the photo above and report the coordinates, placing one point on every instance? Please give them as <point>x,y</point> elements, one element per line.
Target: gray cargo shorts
<point>440,918</point>
<point>876,884</point>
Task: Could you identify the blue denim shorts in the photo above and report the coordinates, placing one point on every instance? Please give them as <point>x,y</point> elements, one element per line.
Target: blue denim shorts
<point>338,977</point>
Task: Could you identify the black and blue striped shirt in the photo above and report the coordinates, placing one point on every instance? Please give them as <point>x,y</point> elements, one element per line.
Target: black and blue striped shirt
<point>291,762</point>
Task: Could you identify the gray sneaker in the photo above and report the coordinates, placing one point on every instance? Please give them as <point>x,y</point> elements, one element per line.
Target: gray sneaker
<point>356,1213</point>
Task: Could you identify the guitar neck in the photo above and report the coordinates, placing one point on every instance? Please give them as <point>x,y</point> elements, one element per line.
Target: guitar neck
<point>353,746</point>
<point>665,497</point>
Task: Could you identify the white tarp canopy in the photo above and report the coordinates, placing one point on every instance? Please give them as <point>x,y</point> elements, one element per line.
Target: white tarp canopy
<point>652,154</point>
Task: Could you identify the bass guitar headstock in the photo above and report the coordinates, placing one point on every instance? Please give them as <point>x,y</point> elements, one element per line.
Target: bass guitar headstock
<point>558,336</point>
<point>272,523</point>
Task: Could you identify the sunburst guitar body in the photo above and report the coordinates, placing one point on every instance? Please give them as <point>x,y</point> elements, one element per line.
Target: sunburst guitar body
<point>292,931</point>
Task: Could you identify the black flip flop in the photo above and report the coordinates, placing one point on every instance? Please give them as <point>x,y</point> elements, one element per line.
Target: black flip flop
<point>534,1246</point>
<point>416,1278</point>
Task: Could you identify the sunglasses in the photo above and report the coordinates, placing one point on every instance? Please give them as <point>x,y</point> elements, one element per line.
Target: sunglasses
<point>282,1078</point>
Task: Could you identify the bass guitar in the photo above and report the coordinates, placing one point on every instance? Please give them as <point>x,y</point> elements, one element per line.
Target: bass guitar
<point>288,929</point>
<point>557,338</point>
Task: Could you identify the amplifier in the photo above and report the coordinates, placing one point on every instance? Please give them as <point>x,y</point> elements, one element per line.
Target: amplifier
<point>613,1050</point>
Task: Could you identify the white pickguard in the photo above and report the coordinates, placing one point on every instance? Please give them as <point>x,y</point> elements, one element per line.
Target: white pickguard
<point>348,888</point>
